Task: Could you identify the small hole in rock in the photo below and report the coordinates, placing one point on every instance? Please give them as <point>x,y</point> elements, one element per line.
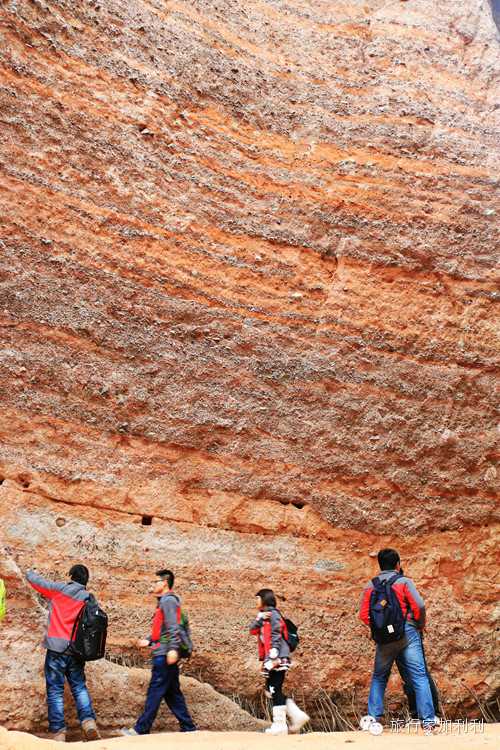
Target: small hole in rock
<point>298,504</point>
<point>147,520</point>
<point>60,521</point>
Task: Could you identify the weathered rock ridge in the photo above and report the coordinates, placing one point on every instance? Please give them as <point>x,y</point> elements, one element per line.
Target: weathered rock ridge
<point>247,295</point>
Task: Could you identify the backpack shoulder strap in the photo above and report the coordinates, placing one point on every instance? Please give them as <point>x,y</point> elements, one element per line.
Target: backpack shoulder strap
<point>284,626</point>
<point>388,587</point>
<point>394,578</point>
<point>387,584</point>
<point>378,582</point>
<point>77,620</point>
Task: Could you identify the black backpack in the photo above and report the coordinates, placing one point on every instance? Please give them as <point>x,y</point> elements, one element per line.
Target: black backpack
<point>292,638</point>
<point>88,638</point>
<point>387,621</point>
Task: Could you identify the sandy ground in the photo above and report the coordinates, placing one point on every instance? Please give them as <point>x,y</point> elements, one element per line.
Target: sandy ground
<point>254,741</point>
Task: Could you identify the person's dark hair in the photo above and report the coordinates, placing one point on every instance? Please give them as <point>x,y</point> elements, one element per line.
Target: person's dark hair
<point>267,597</point>
<point>388,558</point>
<point>166,575</point>
<point>79,574</point>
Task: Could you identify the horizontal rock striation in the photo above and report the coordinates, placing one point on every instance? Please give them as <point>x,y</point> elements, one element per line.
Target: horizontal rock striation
<point>247,294</point>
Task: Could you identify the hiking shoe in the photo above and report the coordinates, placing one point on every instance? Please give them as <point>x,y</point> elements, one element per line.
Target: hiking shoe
<point>59,736</point>
<point>129,732</point>
<point>90,731</point>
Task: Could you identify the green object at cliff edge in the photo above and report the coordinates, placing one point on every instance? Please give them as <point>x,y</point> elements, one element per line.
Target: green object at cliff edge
<point>3,600</point>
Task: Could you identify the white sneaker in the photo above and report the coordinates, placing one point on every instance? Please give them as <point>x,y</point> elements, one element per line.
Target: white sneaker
<point>376,728</point>
<point>129,732</point>
<point>298,718</point>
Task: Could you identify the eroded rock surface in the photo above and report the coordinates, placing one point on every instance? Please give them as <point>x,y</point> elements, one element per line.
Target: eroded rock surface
<point>118,691</point>
<point>247,289</point>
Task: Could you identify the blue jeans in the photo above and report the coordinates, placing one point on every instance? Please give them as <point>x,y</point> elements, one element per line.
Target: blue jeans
<point>411,662</point>
<point>57,668</point>
<point>165,686</point>
<point>410,693</point>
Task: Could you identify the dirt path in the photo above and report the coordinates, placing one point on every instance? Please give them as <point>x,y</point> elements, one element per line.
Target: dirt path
<point>253,741</point>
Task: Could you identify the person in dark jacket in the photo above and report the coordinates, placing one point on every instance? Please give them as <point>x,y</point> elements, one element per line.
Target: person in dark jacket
<point>412,698</point>
<point>170,641</point>
<point>274,651</point>
<point>408,688</point>
<point>66,601</point>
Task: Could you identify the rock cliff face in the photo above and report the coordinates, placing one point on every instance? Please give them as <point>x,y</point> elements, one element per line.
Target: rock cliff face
<point>247,287</point>
<point>118,691</point>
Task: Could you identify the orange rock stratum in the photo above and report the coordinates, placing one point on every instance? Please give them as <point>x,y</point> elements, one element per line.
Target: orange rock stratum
<point>247,295</point>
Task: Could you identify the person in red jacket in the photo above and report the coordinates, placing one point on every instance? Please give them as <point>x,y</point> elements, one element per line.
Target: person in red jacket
<point>66,600</point>
<point>274,651</point>
<point>407,651</point>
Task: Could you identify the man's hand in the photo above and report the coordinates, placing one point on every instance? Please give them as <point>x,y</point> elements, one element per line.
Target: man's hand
<point>172,657</point>
<point>142,643</point>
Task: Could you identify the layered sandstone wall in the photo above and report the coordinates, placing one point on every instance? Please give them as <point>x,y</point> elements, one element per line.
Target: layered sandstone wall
<point>118,691</point>
<point>247,288</point>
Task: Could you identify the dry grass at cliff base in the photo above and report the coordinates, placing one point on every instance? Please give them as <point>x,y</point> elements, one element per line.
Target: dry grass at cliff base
<point>256,741</point>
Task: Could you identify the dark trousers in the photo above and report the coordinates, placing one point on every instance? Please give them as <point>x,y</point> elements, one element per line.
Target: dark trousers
<point>58,668</point>
<point>165,686</point>
<point>274,685</point>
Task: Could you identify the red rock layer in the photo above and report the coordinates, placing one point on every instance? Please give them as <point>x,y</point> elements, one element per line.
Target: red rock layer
<point>247,286</point>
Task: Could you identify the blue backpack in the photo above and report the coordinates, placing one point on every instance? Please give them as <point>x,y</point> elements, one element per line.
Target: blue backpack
<point>387,621</point>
